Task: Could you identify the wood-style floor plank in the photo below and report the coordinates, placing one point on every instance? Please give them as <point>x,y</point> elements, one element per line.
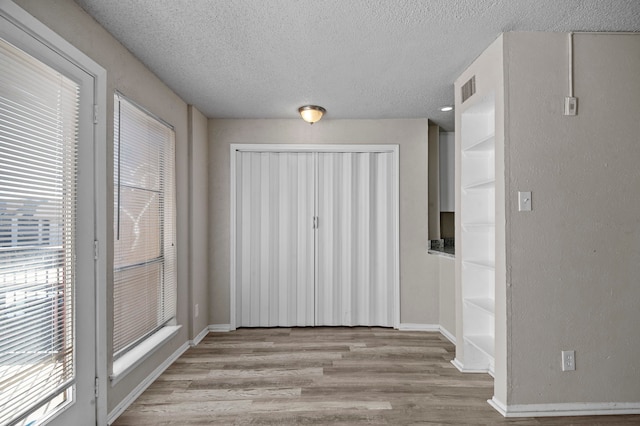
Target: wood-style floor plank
<point>325,375</point>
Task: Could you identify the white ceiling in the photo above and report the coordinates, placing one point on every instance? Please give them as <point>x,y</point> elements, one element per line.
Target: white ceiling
<point>356,58</point>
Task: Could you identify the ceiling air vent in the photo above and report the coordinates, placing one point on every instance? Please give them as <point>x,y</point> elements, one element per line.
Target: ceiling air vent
<point>468,89</point>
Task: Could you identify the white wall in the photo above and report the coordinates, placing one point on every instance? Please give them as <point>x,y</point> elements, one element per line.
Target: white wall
<point>419,281</point>
<point>128,75</point>
<point>574,266</point>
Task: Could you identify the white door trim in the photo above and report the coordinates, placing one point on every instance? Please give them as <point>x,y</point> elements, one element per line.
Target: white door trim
<point>35,29</point>
<point>234,148</point>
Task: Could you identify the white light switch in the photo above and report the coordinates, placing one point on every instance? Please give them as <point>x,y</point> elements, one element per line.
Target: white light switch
<point>524,201</point>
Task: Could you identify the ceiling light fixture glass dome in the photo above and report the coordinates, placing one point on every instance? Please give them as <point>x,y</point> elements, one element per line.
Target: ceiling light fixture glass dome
<point>311,113</point>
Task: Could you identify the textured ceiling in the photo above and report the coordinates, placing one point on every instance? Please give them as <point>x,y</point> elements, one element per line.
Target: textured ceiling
<point>356,58</point>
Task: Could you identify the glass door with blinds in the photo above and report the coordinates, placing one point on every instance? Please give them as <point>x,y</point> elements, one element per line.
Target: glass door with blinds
<point>47,274</point>
<point>315,236</point>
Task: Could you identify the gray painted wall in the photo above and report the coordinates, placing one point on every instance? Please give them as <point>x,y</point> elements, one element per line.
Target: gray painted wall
<point>128,75</point>
<point>574,268</point>
<point>447,294</point>
<point>419,284</point>
<point>198,220</point>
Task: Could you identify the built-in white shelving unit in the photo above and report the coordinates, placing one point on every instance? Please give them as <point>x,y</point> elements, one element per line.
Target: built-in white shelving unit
<point>477,248</point>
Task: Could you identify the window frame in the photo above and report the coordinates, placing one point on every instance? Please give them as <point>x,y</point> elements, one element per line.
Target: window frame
<point>134,353</point>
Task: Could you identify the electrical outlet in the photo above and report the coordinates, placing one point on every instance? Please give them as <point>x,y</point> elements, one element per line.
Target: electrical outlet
<point>568,360</point>
<point>196,310</point>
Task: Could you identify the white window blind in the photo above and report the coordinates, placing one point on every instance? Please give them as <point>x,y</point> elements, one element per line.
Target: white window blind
<point>144,225</point>
<point>38,163</point>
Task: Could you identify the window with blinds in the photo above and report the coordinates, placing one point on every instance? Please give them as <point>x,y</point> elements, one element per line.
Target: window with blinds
<point>38,164</point>
<point>144,225</point>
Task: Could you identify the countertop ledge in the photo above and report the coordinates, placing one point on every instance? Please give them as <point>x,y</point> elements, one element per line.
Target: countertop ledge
<point>446,252</point>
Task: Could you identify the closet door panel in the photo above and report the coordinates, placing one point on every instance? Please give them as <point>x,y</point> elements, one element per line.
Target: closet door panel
<point>384,267</point>
<point>356,239</point>
<point>274,251</point>
<point>335,260</point>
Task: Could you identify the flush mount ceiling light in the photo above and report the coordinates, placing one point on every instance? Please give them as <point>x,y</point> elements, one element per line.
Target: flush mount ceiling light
<point>446,108</point>
<point>311,113</point>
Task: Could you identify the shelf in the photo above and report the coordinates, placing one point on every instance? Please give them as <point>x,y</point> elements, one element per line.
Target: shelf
<point>481,184</point>
<point>479,180</point>
<point>485,343</point>
<point>484,264</point>
<point>478,226</point>
<point>483,145</point>
<point>483,303</point>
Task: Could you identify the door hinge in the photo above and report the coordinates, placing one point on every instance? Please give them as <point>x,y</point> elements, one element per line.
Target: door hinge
<point>95,114</point>
<point>97,388</point>
<point>315,222</point>
<point>96,250</point>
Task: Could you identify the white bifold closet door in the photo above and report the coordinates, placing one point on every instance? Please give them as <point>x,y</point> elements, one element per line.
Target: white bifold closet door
<point>356,241</point>
<point>274,239</point>
<point>316,238</point>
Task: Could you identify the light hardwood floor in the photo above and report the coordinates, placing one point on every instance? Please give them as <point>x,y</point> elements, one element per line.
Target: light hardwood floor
<point>324,375</point>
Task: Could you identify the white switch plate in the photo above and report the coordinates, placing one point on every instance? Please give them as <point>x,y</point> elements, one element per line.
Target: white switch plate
<point>524,201</point>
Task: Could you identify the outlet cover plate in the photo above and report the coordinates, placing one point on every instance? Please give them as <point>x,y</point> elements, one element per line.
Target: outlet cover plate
<point>568,360</point>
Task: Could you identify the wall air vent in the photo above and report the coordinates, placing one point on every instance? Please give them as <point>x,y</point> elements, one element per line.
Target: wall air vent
<point>468,89</point>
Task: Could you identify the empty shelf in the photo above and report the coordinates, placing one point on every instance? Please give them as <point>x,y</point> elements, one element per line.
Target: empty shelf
<point>484,264</point>
<point>482,184</point>
<point>478,226</point>
<point>483,144</point>
<point>485,304</point>
<point>484,343</point>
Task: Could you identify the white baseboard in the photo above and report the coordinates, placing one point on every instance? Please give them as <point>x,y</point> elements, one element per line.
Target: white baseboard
<point>407,326</point>
<point>458,365</point>
<point>199,337</point>
<point>220,328</point>
<point>461,368</point>
<point>449,336</point>
<point>565,409</point>
<point>144,384</point>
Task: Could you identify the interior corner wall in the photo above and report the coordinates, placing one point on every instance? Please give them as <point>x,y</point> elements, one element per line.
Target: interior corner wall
<point>447,295</point>
<point>419,281</point>
<point>575,258</point>
<point>198,221</point>
<point>433,187</point>
<point>128,75</point>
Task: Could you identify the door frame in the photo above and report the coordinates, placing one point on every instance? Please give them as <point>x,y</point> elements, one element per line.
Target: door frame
<point>32,30</point>
<point>394,149</point>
